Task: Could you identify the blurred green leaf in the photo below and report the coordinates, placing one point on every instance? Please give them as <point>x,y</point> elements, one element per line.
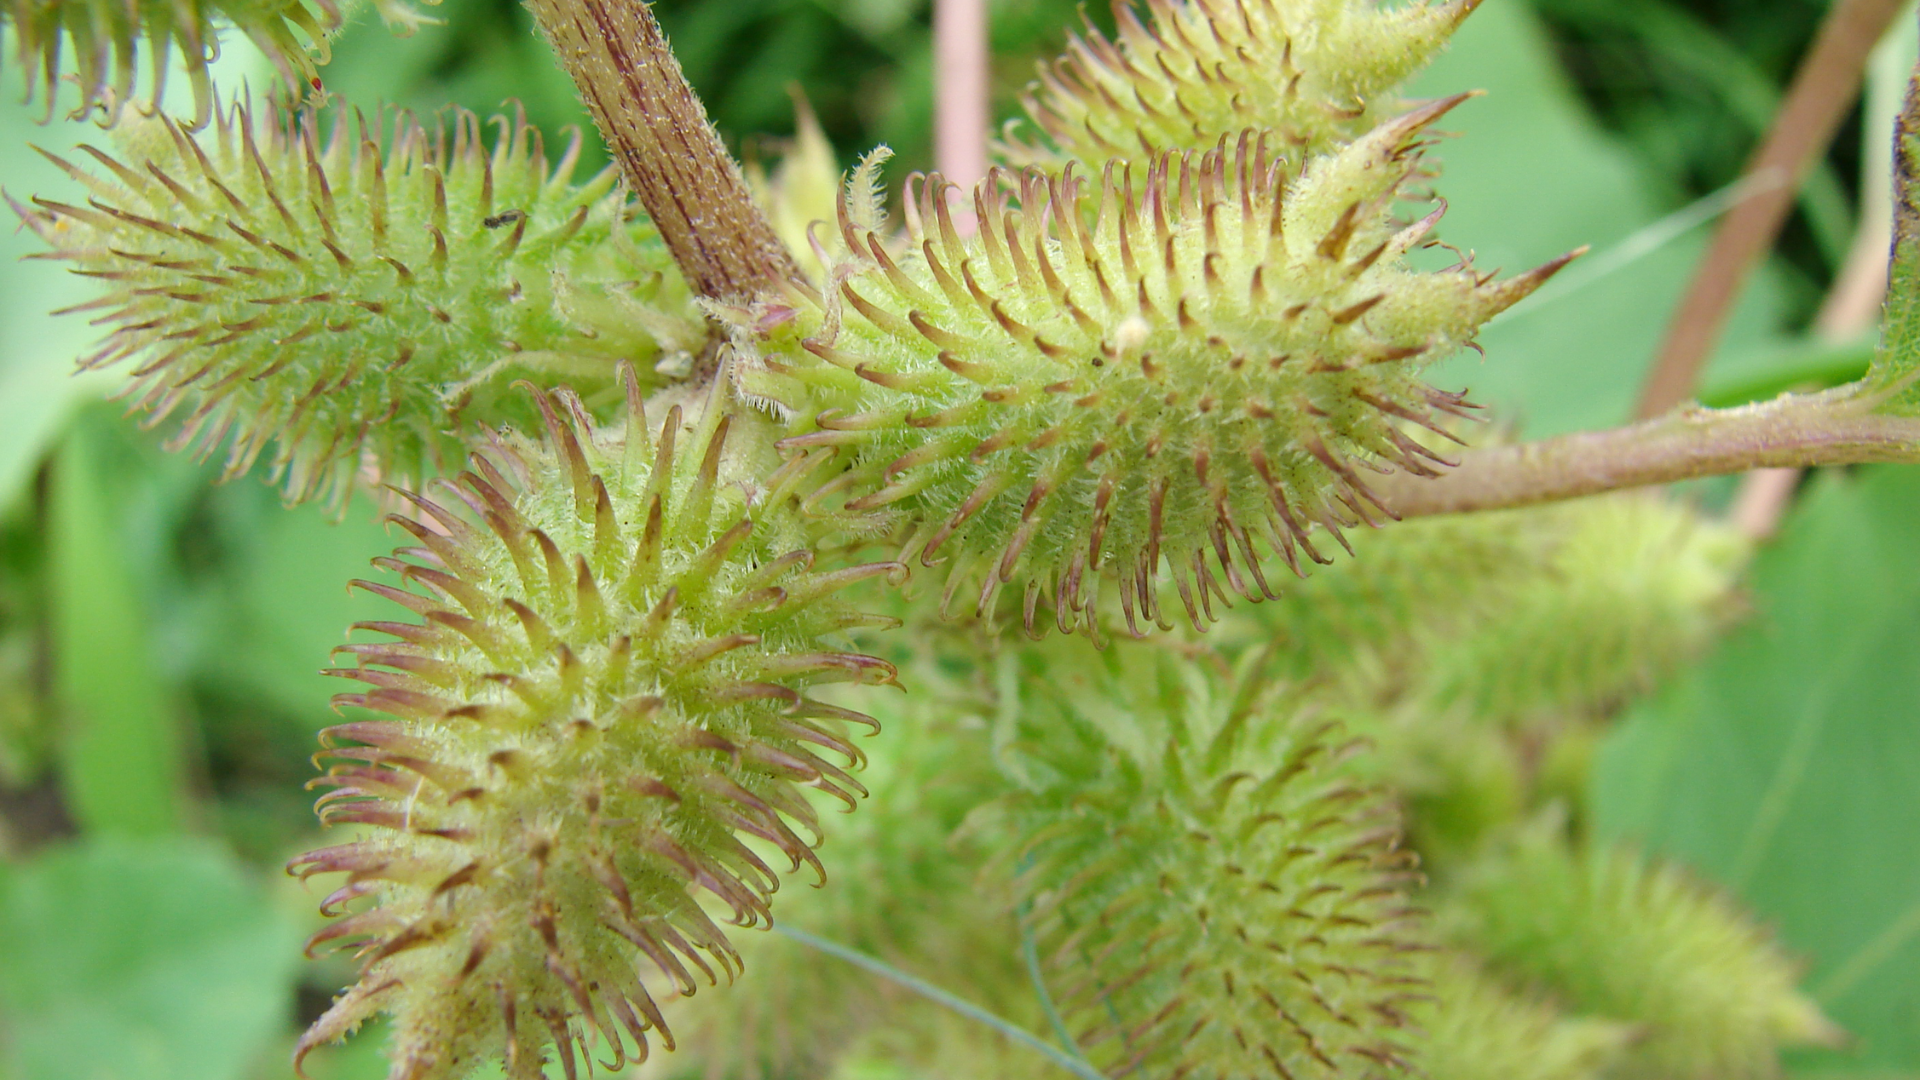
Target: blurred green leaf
<point>1786,767</point>
<point>139,960</point>
<point>1693,50</point>
<point>1805,364</point>
<point>37,388</point>
<point>121,759</point>
<point>1532,178</point>
<point>286,603</point>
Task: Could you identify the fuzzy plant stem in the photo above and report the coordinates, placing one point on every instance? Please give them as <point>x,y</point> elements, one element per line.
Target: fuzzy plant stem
<point>658,131</point>
<point>1832,428</point>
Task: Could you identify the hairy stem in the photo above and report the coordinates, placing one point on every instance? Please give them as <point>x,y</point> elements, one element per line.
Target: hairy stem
<point>658,131</point>
<point>1833,428</point>
<point>1826,84</point>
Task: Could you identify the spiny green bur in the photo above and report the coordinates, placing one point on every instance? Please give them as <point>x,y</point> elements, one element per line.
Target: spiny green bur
<point>605,694</point>
<point>1217,899</point>
<point>1615,935</point>
<point>1478,650</point>
<point>1593,600</point>
<point>1313,73</point>
<point>1193,364</point>
<point>104,40</point>
<point>1479,1029</point>
<point>1647,581</point>
<point>358,305</point>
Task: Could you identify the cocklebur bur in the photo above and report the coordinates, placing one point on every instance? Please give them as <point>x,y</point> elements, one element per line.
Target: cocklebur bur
<point>606,692</point>
<point>1212,891</point>
<point>1484,652</point>
<point>1192,371</point>
<point>1314,74</point>
<point>105,43</point>
<point>1481,1028</point>
<point>1164,372</point>
<point>1617,935</point>
<point>908,888</point>
<point>802,189</point>
<point>357,300</point>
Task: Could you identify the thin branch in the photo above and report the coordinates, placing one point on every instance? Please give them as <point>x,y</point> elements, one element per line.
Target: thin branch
<point>1078,1066</point>
<point>1762,501</point>
<point>960,90</point>
<point>1030,953</point>
<point>658,132</point>
<point>1823,90</point>
<point>1837,427</point>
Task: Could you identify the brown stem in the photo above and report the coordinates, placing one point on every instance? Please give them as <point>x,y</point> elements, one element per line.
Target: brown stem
<point>1837,427</point>
<point>658,132</point>
<point>1823,89</point>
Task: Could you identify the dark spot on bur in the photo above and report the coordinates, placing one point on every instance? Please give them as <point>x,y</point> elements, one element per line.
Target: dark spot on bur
<point>1097,362</point>
<point>503,219</point>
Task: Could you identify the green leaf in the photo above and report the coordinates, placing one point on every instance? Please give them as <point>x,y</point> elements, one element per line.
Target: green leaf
<point>37,389</point>
<point>1531,178</point>
<point>1785,768</point>
<point>140,960</point>
<point>286,601</point>
<point>1691,49</point>
<point>121,760</point>
<point>1808,363</point>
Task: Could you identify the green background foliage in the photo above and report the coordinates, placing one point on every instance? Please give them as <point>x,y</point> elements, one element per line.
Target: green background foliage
<point>160,637</point>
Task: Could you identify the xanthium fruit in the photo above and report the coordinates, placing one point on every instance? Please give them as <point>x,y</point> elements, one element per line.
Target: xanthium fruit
<point>606,694</point>
<point>1315,74</point>
<point>1177,366</point>
<point>1216,894</point>
<point>357,300</point>
<point>105,43</point>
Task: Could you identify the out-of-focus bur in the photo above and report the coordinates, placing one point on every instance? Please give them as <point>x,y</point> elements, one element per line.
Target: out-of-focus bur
<point>804,188</point>
<point>606,694</point>
<point>1481,651</point>
<point>1172,370</point>
<point>1214,894</point>
<point>1622,592</point>
<point>358,300</point>
<point>1616,935</point>
<point>1312,73</point>
<point>1507,616</point>
<point>104,42</point>
<point>1476,1028</point>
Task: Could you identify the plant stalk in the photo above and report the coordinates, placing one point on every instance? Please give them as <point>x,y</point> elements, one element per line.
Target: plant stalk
<point>658,131</point>
<point>1837,427</point>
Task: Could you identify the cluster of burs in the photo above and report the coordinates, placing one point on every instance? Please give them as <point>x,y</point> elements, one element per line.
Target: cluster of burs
<point>1204,767</point>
